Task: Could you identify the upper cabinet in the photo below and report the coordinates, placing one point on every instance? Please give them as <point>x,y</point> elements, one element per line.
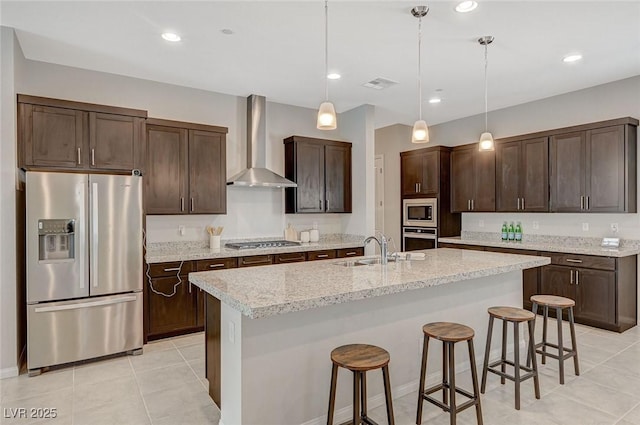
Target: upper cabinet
<point>63,135</point>
<point>322,170</point>
<point>594,170</point>
<point>473,179</point>
<point>420,172</point>
<point>186,171</point>
<point>522,169</point>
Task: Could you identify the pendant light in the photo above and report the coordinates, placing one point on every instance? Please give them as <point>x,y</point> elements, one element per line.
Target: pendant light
<point>486,138</point>
<point>420,133</point>
<point>326,113</point>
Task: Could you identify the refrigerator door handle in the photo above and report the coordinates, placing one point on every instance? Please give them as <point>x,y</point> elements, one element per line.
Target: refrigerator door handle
<point>80,235</point>
<point>86,304</point>
<point>94,235</point>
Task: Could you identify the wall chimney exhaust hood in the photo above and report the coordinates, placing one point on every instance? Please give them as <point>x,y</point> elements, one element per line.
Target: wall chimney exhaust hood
<point>256,174</point>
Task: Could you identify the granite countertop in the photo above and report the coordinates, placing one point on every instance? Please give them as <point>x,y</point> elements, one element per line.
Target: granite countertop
<point>199,250</point>
<point>265,291</point>
<point>562,244</point>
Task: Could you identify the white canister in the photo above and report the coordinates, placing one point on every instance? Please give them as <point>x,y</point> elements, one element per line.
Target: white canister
<point>214,241</point>
<point>304,236</point>
<point>314,235</point>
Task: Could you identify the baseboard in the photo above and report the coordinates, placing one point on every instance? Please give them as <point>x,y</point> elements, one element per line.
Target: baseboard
<point>8,372</point>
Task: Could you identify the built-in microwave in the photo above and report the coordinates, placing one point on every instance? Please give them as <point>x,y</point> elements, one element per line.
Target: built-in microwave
<point>422,212</point>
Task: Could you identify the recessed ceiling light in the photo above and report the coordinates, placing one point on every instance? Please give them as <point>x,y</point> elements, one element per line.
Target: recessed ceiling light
<point>572,58</point>
<point>435,100</point>
<point>334,76</point>
<point>466,6</point>
<point>171,36</point>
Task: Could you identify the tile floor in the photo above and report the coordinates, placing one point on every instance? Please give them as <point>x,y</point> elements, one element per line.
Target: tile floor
<point>166,386</point>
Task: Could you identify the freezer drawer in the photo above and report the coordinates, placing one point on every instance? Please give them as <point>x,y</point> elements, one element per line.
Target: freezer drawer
<point>68,331</point>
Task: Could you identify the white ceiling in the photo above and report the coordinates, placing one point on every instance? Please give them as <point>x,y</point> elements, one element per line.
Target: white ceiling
<point>277,48</point>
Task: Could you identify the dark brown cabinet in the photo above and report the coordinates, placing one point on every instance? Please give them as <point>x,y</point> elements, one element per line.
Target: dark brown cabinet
<point>473,179</point>
<point>420,172</point>
<point>594,170</point>
<point>522,175</point>
<point>186,171</point>
<point>63,135</point>
<point>322,170</point>
<point>604,288</point>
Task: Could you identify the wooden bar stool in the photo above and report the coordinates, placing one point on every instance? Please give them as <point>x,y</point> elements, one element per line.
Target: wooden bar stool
<point>360,358</point>
<point>449,334</point>
<point>559,303</point>
<point>515,316</point>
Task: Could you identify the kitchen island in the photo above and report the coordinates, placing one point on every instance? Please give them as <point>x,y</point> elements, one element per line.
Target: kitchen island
<point>270,330</point>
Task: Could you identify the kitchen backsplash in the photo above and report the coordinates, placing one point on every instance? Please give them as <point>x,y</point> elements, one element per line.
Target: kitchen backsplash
<point>251,213</point>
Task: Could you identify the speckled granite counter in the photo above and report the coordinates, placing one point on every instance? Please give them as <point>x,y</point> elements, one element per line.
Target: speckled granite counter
<point>198,250</point>
<point>564,244</point>
<point>267,291</point>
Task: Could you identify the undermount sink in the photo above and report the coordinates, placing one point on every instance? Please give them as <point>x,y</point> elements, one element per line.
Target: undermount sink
<point>363,262</point>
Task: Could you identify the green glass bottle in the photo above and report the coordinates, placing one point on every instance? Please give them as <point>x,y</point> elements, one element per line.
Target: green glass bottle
<point>511,232</point>
<point>518,232</point>
<point>505,231</point>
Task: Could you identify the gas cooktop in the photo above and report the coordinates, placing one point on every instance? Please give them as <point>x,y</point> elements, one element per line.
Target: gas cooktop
<point>260,244</point>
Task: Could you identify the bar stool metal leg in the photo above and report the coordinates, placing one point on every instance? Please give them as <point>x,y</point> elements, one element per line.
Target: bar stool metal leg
<point>503,367</point>
<point>516,361</point>
<point>357,419</point>
<point>387,394</point>
<point>574,345</point>
<point>532,355</point>
<point>423,376</point>
<point>534,309</point>
<point>363,393</point>
<point>332,394</point>
<point>560,344</point>
<point>474,378</point>
<point>487,350</point>
<point>544,334</point>
<point>452,384</point>
<point>445,373</point>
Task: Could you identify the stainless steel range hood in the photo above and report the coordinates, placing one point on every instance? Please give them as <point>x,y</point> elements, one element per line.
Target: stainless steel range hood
<point>256,174</point>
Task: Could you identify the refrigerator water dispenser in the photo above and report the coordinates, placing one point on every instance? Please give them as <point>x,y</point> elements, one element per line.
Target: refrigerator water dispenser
<point>56,240</point>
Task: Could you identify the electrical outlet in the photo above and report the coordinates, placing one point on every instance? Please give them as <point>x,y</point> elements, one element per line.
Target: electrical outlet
<point>480,223</point>
<point>585,227</point>
<point>614,227</point>
<point>181,230</point>
<point>535,225</point>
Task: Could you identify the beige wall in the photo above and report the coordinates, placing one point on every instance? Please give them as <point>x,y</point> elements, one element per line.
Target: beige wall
<point>607,101</point>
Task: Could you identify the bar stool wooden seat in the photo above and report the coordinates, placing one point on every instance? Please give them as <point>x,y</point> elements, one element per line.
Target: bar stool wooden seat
<point>516,316</point>
<point>559,304</point>
<point>449,334</point>
<point>360,358</point>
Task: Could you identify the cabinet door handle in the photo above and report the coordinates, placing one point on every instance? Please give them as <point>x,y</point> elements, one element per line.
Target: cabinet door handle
<point>326,204</point>
<point>518,207</point>
<point>79,157</point>
<point>189,287</point>
<point>582,202</point>
<point>571,260</point>
<point>419,187</point>
<point>191,204</point>
<point>93,156</point>
<point>415,187</point>
<point>181,204</point>
<point>469,204</point>
<point>213,266</point>
<point>473,207</point>
<point>571,277</point>
<point>522,204</point>
<point>577,278</point>
<point>588,202</point>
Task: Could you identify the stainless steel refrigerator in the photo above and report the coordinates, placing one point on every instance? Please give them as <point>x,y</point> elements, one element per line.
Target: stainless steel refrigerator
<point>84,267</point>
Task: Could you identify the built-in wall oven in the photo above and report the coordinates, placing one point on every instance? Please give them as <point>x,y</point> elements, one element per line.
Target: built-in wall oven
<point>419,224</point>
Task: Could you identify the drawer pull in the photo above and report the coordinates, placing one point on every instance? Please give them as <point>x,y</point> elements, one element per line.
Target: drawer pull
<point>265,261</point>
<point>571,260</point>
<point>284,260</point>
<point>350,253</point>
<point>172,269</point>
<point>323,255</point>
<point>213,266</point>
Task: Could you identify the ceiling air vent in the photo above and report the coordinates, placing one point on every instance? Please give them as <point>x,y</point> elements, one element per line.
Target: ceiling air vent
<point>380,83</point>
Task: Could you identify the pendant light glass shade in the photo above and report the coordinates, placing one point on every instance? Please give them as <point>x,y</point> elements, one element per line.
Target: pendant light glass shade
<point>486,142</point>
<point>327,117</point>
<point>326,113</point>
<point>486,138</point>
<point>420,132</point>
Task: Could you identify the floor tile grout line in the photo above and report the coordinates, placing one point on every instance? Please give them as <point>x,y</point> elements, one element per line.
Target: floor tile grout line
<point>144,402</point>
<point>190,368</point>
<point>626,413</point>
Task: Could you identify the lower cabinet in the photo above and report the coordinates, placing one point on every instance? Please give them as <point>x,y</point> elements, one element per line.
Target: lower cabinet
<point>174,307</point>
